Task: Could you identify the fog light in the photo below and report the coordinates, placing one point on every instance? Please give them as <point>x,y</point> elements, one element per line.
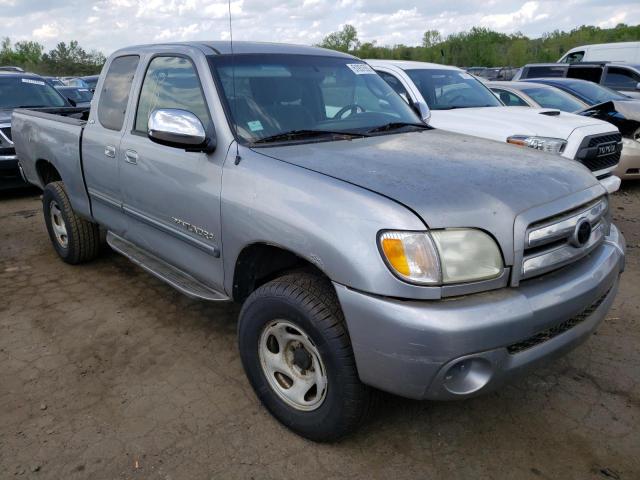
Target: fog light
<point>468,376</point>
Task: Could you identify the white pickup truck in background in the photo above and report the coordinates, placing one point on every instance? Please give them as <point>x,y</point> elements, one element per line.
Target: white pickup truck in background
<point>451,99</point>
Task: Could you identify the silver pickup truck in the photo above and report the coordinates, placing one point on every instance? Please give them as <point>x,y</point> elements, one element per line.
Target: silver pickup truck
<point>369,250</point>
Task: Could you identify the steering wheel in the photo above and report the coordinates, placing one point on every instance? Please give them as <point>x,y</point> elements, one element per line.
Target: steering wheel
<point>352,109</point>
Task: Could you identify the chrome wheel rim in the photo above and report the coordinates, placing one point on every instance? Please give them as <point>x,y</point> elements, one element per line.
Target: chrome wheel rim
<point>58,225</point>
<point>292,365</point>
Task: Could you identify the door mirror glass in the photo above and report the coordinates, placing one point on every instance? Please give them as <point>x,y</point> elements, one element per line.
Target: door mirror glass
<point>177,128</point>
<point>422,110</point>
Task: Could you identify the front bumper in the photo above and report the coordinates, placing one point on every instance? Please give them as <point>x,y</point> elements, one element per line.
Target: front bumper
<point>10,176</point>
<point>629,166</point>
<point>468,345</point>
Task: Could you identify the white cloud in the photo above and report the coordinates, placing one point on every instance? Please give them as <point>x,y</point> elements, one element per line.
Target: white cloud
<point>110,24</point>
<point>46,31</point>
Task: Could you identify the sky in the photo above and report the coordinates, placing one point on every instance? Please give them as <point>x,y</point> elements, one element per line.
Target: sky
<point>106,25</point>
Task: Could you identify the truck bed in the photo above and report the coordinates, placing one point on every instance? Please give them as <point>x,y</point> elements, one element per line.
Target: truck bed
<point>53,135</point>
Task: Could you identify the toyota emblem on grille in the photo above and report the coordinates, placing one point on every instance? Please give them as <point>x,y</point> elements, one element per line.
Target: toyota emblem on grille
<point>582,233</point>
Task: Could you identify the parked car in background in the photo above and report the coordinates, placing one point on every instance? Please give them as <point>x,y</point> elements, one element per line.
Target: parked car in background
<point>367,249</point>
<point>55,81</point>
<point>623,77</point>
<point>454,100</point>
<point>91,81</point>
<point>78,97</point>
<point>536,95</point>
<point>10,68</point>
<point>609,105</point>
<point>613,52</point>
<point>498,73</point>
<point>74,82</point>
<point>475,70</point>
<point>20,90</point>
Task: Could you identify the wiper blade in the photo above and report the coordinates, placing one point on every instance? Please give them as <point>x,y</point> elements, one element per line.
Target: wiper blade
<point>298,134</point>
<point>396,125</point>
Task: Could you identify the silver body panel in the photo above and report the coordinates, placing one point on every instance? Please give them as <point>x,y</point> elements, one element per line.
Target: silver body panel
<point>326,202</point>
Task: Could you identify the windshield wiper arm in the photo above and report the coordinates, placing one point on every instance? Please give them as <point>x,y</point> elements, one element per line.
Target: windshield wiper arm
<point>298,134</point>
<point>396,125</point>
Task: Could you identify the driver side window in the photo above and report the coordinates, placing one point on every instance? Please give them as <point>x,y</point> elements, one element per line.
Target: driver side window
<point>396,84</point>
<point>171,82</point>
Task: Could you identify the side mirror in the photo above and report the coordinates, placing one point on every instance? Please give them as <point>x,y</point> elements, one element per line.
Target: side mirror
<point>638,86</point>
<point>179,128</point>
<point>422,110</point>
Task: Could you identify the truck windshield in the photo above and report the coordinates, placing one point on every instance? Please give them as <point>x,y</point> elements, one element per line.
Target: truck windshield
<point>278,94</point>
<point>594,93</point>
<point>554,98</point>
<point>27,92</point>
<point>448,89</point>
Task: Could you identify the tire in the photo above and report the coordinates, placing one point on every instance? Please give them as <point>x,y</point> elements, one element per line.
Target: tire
<point>75,239</point>
<point>303,307</point>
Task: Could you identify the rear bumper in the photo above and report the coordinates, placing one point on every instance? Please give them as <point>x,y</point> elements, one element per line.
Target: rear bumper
<point>629,166</point>
<point>461,347</point>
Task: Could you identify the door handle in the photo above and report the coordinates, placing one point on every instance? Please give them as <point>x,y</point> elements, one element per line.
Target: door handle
<point>110,151</point>
<point>131,156</point>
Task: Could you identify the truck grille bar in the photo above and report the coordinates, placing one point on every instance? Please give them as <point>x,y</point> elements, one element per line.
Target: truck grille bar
<point>600,152</point>
<point>564,238</point>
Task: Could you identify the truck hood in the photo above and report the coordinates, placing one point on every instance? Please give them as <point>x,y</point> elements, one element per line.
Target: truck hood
<point>499,123</point>
<point>449,180</point>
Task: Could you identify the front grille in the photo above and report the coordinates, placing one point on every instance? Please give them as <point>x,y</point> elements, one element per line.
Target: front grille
<point>564,238</point>
<point>600,163</point>
<point>556,330</point>
<point>588,153</point>
<point>614,137</point>
<point>7,132</point>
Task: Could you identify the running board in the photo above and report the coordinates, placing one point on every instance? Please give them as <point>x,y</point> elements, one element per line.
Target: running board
<point>158,268</point>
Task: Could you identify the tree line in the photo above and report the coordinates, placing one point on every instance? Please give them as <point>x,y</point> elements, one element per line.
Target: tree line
<point>65,59</point>
<point>482,46</point>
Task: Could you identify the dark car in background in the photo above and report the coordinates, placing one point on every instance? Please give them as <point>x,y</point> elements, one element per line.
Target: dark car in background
<point>20,90</point>
<point>620,76</point>
<point>78,97</point>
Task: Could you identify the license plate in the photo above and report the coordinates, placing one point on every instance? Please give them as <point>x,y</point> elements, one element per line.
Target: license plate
<point>607,149</point>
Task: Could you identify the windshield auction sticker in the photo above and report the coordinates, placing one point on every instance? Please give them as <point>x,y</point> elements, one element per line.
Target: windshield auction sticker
<point>34,82</point>
<point>361,68</point>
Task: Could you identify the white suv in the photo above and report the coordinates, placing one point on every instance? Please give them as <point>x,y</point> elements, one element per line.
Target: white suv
<point>451,99</point>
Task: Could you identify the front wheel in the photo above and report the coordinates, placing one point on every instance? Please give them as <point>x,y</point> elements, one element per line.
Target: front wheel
<point>75,239</point>
<point>296,352</point>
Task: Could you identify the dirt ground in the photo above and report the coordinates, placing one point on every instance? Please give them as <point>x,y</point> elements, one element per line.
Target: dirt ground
<point>107,373</point>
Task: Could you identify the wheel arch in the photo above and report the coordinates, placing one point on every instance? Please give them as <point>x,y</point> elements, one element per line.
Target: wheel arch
<point>261,262</point>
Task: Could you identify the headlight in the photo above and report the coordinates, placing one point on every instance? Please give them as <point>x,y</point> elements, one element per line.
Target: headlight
<point>441,256</point>
<point>545,144</point>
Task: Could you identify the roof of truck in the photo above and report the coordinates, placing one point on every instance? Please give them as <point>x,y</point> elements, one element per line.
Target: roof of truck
<point>224,48</point>
<point>410,65</point>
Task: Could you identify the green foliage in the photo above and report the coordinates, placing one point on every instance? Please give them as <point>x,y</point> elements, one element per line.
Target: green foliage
<point>346,40</point>
<point>71,59</point>
<point>481,46</point>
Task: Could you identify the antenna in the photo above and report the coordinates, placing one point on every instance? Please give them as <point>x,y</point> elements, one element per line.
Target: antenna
<point>233,81</point>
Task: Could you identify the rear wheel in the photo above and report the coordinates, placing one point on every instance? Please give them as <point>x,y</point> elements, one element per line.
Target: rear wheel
<point>297,355</point>
<point>75,239</point>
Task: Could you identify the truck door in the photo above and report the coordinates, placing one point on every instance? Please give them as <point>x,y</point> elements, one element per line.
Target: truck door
<point>172,196</point>
<point>101,143</point>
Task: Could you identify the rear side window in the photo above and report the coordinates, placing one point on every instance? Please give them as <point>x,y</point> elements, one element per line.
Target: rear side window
<point>115,91</point>
<point>171,82</point>
<point>546,71</point>
<point>622,78</point>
